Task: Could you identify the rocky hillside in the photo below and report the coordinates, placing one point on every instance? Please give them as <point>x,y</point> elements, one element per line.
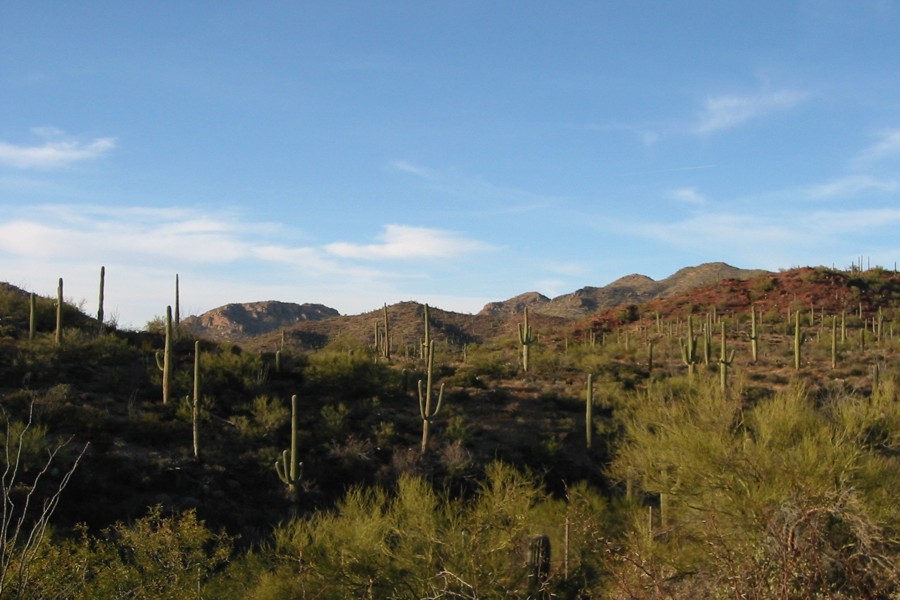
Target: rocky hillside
<point>242,321</point>
<point>312,325</point>
<point>640,289</point>
<point>515,306</point>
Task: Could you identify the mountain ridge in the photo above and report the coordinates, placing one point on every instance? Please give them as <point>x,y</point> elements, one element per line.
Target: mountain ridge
<point>237,322</point>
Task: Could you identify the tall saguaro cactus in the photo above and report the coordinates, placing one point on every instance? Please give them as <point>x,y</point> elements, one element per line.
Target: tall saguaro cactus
<point>707,339</point>
<point>725,360</point>
<point>177,304</point>
<point>386,332</point>
<point>754,335</point>
<point>798,341</point>
<point>426,410</point>
<point>426,340</point>
<point>526,339</point>
<point>689,348</point>
<point>195,403</point>
<point>834,341</point>
<point>59,307</point>
<point>165,363</point>
<point>100,309</point>
<point>32,316</point>
<point>289,467</point>
<point>589,412</point>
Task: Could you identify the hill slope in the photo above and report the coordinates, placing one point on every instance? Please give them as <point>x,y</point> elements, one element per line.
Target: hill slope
<point>241,321</point>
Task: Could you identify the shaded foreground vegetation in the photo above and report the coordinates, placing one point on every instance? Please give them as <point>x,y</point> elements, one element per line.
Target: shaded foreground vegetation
<point>768,478</point>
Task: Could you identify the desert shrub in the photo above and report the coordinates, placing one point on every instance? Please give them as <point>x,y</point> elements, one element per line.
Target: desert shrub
<point>227,374</point>
<point>334,419</point>
<point>759,502</point>
<point>156,557</point>
<point>348,375</point>
<point>482,364</point>
<point>266,414</point>
<point>415,543</point>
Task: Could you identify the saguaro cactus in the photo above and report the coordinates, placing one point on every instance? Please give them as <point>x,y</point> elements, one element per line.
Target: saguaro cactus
<point>165,363</point>
<point>725,360</point>
<point>289,467</point>
<point>195,403</point>
<point>707,339</point>
<point>798,341</point>
<point>32,316</point>
<point>425,406</point>
<point>386,333</point>
<point>526,339</point>
<point>589,411</point>
<point>834,341</point>
<point>426,340</point>
<point>689,348</point>
<point>754,335</point>
<point>59,307</point>
<point>177,304</point>
<point>100,309</point>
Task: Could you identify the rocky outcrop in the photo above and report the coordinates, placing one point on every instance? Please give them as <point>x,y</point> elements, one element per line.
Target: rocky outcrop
<point>242,321</point>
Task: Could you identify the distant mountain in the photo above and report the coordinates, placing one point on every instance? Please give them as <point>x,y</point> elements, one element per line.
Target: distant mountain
<point>242,321</point>
<point>314,324</point>
<point>515,306</point>
<point>638,289</point>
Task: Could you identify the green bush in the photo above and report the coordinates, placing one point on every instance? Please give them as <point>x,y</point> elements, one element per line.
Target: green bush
<point>784,496</point>
<point>415,543</point>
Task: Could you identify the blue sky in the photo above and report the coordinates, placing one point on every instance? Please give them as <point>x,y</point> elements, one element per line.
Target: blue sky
<point>456,153</point>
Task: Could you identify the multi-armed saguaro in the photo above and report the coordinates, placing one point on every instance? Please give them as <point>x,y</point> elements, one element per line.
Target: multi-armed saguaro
<point>689,348</point>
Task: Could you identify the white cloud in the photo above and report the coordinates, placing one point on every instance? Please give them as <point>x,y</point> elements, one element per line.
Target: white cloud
<point>769,239</point>
<point>724,112</point>
<point>887,145</point>
<point>409,243</point>
<point>832,223</point>
<point>689,195</point>
<point>221,258</point>
<point>407,167</point>
<point>56,151</point>
<point>852,185</point>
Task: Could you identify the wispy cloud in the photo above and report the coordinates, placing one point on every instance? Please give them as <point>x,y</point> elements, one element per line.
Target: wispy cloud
<point>853,221</point>
<point>57,150</point>
<point>408,243</point>
<point>688,195</point>
<point>724,112</point>
<point>769,239</point>
<point>406,166</point>
<point>228,258</point>
<point>851,186</point>
<point>888,144</point>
